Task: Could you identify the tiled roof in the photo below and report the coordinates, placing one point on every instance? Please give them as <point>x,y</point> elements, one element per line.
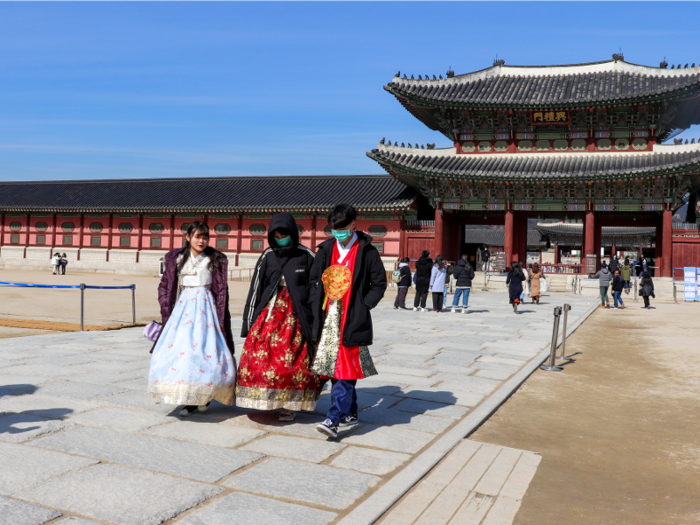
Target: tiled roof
<point>496,237</point>
<point>560,86</point>
<point>508,166</point>
<point>234,194</point>
<point>562,228</point>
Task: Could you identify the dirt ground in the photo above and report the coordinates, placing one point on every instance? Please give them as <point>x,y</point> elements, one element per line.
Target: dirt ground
<point>618,428</point>
<point>102,307</point>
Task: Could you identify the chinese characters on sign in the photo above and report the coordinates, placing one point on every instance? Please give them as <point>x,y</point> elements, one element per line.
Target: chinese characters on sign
<point>550,117</point>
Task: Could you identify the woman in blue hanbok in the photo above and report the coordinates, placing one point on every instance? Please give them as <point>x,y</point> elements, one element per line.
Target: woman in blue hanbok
<point>192,361</point>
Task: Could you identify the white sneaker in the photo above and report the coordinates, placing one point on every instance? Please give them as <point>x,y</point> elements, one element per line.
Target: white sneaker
<point>454,310</point>
<point>464,310</point>
<point>415,309</point>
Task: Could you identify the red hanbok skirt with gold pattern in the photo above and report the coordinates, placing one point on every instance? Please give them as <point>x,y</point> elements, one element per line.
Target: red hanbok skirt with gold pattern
<point>274,369</point>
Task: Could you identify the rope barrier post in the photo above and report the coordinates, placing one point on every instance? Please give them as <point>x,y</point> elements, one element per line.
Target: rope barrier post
<point>82,307</point>
<point>563,357</point>
<point>675,297</point>
<point>635,290</point>
<point>551,367</point>
<point>133,303</point>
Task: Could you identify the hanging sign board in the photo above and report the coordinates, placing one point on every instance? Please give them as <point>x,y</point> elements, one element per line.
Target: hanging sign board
<point>549,117</point>
<point>690,283</point>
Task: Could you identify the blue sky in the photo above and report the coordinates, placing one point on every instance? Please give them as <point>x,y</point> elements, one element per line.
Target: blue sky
<point>127,90</point>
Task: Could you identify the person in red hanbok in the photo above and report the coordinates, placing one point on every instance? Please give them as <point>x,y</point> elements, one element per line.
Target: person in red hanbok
<point>348,279</point>
<point>274,370</point>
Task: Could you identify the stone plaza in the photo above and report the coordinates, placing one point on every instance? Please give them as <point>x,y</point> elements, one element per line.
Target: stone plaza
<point>81,441</point>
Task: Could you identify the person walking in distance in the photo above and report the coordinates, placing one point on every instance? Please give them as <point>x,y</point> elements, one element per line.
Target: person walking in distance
<point>535,276</point>
<point>514,280</point>
<point>618,284</point>
<point>463,274</point>
<point>604,278</point>
<point>437,283</point>
<point>348,279</point>
<point>404,284</point>
<point>64,263</point>
<point>647,289</point>
<point>192,362</point>
<point>485,256</point>
<point>626,274</point>
<point>449,270</point>
<point>274,368</point>
<point>424,267</point>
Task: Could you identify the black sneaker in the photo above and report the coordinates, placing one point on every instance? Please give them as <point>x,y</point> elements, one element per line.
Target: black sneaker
<point>328,428</point>
<point>349,421</point>
<point>188,410</point>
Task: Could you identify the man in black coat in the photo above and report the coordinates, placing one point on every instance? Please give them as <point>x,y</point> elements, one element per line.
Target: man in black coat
<point>403,285</point>
<point>485,256</point>
<point>424,266</point>
<point>342,347</point>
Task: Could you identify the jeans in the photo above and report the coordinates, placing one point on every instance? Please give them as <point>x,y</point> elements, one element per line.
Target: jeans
<point>627,285</point>
<point>464,292</point>
<point>343,399</point>
<point>604,296</point>
<point>617,296</point>
<point>400,301</point>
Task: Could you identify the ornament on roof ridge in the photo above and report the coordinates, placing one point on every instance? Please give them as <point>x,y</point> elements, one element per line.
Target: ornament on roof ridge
<point>398,74</point>
<point>686,66</point>
<point>618,57</point>
<point>412,77</point>
<point>692,141</point>
<point>396,144</point>
<point>450,73</point>
<point>673,67</point>
<point>382,141</point>
<point>421,146</point>
<point>405,77</point>
<point>693,64</point>
<point>677,141</point>
<point>435,78</point>
<point>431,146</point>
<point>500,62</point>
<point>403,145</point>
<point>440,77</point>
<point>664,64</point>
<point>679,66</point>
<point>409,145</point>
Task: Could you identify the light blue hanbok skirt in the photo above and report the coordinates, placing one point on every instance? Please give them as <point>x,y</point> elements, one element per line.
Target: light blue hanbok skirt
<point>191,363</point>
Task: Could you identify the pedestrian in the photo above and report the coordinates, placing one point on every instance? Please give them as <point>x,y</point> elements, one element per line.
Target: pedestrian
<point>614,264</point>
<point>347,280</point>
<point>645,266</point>
<point>274,370</point>
<point>437,283</point>
<point>64,263</point>
<point>192,362</point>
<point>647,286</point>
<point>404,284</point>
<point>448,278</point>
<point>535,275</point>
<point>463,274</point>
<point>56,263</point>
<point>604,277</point>
<point>424,266</point>
<point>485,256</point>
<point>515,285</point>
<point>626,273</point>
<point>618,284</point>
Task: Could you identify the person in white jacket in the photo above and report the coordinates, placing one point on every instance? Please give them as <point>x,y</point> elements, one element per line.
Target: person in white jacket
<point>56,262</point>
<point>437,283</point>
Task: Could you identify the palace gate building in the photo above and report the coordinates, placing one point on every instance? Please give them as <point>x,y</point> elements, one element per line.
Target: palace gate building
<point>580,143</point>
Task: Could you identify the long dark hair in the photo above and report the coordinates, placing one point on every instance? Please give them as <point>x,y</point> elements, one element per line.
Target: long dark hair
<point>439,263</point>
<point>515,267</point>
<point>215,256</point>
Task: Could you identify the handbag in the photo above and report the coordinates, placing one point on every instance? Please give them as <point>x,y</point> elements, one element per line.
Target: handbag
<point>152,331</point>
<point>544,285</point>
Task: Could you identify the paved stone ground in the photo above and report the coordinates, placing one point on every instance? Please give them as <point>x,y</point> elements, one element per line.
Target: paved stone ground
<point>81,442</point>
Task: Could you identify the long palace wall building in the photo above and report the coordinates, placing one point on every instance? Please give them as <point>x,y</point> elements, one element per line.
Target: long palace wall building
<point>581,145</point>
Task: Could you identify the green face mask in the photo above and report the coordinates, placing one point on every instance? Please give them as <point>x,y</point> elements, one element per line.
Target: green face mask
<point>341,235</point>
<point>284,241</point>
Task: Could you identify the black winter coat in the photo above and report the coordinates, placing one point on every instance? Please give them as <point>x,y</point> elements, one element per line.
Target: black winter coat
<point>647,286</point>
<point>294,262</point>
<point>464,273</point>
<point>618,283</point>
<point>515,284</point>
<point>368,287</point>
<point>424,267</point>
<point>405,276</point>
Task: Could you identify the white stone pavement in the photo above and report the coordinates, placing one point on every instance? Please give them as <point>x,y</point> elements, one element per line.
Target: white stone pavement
<point>81,442</point>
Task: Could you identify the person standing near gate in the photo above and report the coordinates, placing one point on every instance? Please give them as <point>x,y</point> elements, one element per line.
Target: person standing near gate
<point>64,263</point>
<point>437,283</point>
<point>404,284</point>
<point>535,276</point>
<point>515,285</point>
<point>424,267</point>
<point>604,277</point>
<point>647,286</point>
<point>618,284</point>
<point>626,274</point>
<point>56,263</point>
<point>347,280</point>
<point>463,274</point>
<point>485,256</point>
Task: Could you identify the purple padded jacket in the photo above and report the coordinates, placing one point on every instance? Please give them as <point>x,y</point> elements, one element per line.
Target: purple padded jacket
<point>167,294</point>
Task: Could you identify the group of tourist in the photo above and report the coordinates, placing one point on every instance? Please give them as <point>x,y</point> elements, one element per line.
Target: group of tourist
<point>306,320</point>
<point>59,261</point>
<point>618,276</point>
<point>522,282</point>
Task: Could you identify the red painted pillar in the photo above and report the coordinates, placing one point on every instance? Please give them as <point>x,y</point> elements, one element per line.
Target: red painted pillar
<point>589,234</point>
<point>508,240</point>
<point>522,249</point>
<point>172,232</point>
<point>666,243</point>
<point>140,239</point>
<point>314,225</point>
<point>402,238</point>
<point>82,233</point>
<point>239,239</point>
<point>54,232</point>
<point>556,254</point>
<point>26,241</point>
<point>437,244</point>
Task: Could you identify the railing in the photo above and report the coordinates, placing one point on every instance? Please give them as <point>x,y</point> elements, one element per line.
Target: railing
<point>562,268</point>
<point>685,226</point>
